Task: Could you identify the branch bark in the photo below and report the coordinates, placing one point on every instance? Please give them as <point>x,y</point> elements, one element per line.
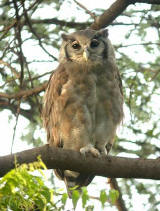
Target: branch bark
<point>114,167</point>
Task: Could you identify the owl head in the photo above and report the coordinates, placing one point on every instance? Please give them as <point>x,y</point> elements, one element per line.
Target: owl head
<point>85,46</point>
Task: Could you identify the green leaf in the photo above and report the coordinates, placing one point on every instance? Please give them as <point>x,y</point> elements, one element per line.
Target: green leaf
<point>103,197</point>
<point>113,195</point>
<point>75,197</point>
<point>85,196</point>
<point>64,198</point>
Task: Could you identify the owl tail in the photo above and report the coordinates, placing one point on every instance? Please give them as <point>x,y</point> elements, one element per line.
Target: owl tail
<point>74,181</point>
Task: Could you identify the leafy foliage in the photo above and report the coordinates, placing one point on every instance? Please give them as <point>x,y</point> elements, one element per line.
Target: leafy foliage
<point>24,188</point>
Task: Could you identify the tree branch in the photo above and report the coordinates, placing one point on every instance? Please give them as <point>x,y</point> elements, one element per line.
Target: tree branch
<point>56,21</point>
<point>5,104</point>
<point>114,167</point>
<point>115,10</point>
<point>13,70</point>
<point>24,93</point>
<point>110,14</point>
<point>19,40</point>
<point>136,44</point>
<point>77,25</point>
<point>86,10</point>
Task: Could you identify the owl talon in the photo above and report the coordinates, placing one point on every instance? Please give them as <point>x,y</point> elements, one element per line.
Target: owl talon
<point>91,150</point>
<point>104,153</point>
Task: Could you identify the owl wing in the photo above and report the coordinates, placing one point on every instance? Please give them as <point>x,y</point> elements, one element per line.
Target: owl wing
<point>52,110</point>
<point>120,82</point>
<point>53,105</point>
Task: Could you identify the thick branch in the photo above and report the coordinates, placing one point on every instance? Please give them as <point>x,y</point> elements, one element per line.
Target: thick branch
<point>115,10</point>
<point>66,159</point>
<point>110,14</point>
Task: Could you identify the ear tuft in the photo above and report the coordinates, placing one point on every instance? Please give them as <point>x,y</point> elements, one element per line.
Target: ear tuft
<point>102,33</point>
<point>65,37</point>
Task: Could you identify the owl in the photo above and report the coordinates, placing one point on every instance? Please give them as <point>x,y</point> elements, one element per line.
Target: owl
<point>83,103</point>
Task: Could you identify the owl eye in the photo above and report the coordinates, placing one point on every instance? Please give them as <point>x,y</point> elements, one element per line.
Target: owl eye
<point>94,43</point>
<point>76,45</point>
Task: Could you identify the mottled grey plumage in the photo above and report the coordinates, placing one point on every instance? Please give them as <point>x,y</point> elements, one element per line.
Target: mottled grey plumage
<point>83,104</point>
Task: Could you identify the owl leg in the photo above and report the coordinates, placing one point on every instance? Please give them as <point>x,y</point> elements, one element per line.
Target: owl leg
<point>108,147</point>
<point>104,149</point>
<point>103,152</point>
<point>105,139</point>
<point>91,149</point>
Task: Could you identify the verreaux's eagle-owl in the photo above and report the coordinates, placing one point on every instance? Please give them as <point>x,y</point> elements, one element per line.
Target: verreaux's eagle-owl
<point>83,103</point>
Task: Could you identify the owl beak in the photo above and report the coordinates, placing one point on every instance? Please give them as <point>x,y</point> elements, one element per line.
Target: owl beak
<point>86,54</point>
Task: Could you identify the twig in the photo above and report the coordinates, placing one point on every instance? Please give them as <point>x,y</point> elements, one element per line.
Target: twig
<point>17,75</point>
<point>94,197</point>
<point>6,29</point>
<point>56,21</point>
<point>6,104</point>
<point>29,75</point>
<point>155,75</point>
<point>130,101</point>
<point>20,56</point>
<point>14,129</point>
<point>7,82</point>
<point>18,36</point>
<point>71,24</point>
<point>136,44</point>
<point>32,86</point>
<point>35,33</point>
<point>87,11</point>
<point>40,76</point>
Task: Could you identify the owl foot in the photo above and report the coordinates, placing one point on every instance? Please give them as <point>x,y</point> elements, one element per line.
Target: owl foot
<point>104,151</point>
<point>108,147</point>
<point>90,149</point>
